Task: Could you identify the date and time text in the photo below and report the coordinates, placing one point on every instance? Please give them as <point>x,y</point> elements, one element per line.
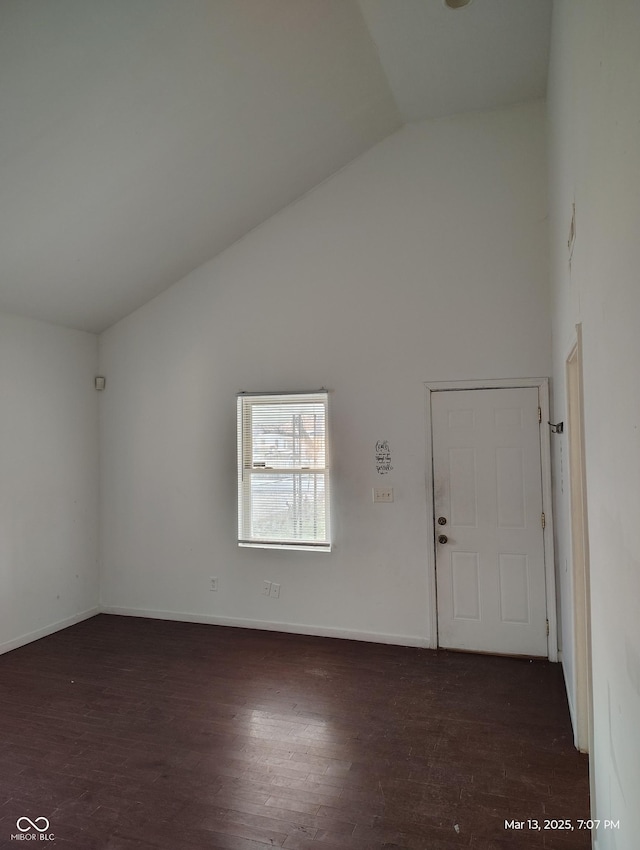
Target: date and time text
<point>531,824</point>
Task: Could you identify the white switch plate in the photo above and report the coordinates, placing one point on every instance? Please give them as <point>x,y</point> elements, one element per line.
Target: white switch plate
<point>213,583</point>
<point>275,590</point>
<point>383,494</point>
<point>266,588</point>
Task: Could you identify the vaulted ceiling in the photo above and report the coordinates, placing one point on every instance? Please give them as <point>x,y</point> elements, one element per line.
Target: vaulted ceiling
<point>139,138</point>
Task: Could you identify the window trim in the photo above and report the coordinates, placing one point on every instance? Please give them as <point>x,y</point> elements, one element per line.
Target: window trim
<point>245,404</point>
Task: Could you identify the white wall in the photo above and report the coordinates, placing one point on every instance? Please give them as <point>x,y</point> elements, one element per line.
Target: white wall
<point>595,161</point>
<point>48,478</point>
<point>425,259</point>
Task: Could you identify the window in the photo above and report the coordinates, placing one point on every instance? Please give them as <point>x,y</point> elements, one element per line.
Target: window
<point>283,471</point>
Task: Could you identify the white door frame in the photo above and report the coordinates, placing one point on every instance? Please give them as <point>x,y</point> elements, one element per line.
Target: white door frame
<point>582,687</point>
<point>545,456</point>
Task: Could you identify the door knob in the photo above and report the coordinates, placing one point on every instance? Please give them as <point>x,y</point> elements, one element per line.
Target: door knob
<point>442,520</point>
<point>442,538</point>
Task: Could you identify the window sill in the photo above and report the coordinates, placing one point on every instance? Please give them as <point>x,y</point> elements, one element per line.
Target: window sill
<point>297,547</point>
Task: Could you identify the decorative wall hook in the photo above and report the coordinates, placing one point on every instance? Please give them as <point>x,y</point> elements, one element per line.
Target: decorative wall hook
<point>556,429</point>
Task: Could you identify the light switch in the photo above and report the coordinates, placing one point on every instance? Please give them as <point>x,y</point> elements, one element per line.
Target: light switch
<point>383,494</point>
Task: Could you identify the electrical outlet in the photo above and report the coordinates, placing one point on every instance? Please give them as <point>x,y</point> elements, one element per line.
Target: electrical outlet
<point>383,494</point>
<point>213,583</point>
<point>275,590</point>
<point>266,588</point>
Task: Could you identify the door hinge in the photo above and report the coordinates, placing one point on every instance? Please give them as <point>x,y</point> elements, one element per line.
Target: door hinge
<point>539,414</point>
<point>547,628</point>
<point>543,520</point>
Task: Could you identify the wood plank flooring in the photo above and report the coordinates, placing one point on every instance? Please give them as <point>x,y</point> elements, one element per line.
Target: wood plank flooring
<point>131,734</point>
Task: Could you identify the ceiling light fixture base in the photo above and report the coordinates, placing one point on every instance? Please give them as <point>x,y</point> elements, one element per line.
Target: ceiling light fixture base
<point>457,4</point>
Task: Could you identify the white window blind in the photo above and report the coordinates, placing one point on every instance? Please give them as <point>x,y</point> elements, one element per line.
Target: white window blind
<point>283,471</point>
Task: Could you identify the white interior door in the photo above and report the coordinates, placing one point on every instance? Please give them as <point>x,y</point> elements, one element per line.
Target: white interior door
<point>490,573</point>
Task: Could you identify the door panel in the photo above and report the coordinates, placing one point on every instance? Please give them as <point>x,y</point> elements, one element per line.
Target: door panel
<point>488,487</point>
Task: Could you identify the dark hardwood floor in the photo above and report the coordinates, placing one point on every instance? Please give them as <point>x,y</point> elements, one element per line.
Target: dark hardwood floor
<point>127,733</point>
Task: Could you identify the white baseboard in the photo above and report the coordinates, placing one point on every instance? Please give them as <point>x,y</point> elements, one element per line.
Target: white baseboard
<point>268,625</point>
<point>47,630</point>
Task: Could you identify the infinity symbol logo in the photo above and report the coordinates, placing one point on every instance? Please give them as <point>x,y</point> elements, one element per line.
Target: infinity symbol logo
<point>32,824</point>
